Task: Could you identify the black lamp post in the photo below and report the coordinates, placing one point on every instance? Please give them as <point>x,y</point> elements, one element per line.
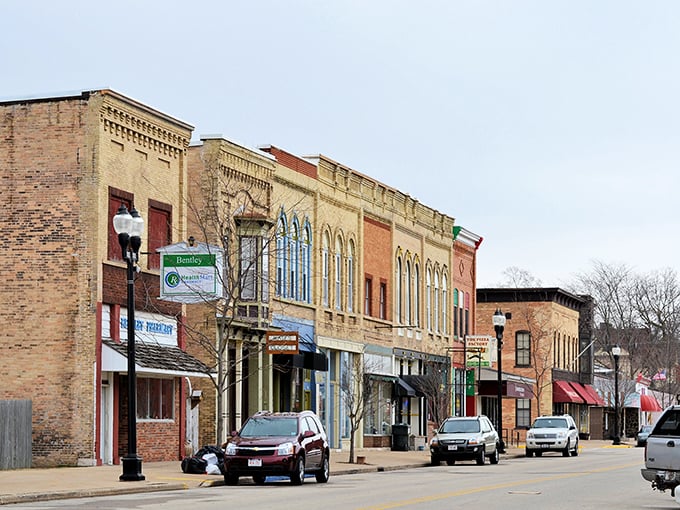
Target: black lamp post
<point>499,326</point>
<point>616,352</point>
<point>129,227</point>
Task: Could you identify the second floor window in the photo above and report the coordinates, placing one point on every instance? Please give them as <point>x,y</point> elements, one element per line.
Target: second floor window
<point>523,349</point>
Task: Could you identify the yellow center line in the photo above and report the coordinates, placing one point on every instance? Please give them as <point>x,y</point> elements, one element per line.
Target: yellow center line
<point>463,492</point>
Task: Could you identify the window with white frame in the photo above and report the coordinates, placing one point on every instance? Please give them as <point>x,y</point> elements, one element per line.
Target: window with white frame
<point>428,299</point>
<point>436,301</point>
<point>445,315</point>
<point>350,277</point>
<point>248,261</point>
<point>293,259</point>
<point>325,262</point>
<point>407,297</point>
<point>416,294</point>
<point>305,263</point>
<point>397,291</point>
<point>338,274</point>
<point>281,244</point>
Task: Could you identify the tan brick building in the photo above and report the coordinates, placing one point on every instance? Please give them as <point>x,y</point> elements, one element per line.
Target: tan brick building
<point>546,357</point>
<point>358,270</point>
<point>67,163</point>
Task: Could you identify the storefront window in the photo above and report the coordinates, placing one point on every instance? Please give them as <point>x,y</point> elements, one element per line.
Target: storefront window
<point>378,419</point>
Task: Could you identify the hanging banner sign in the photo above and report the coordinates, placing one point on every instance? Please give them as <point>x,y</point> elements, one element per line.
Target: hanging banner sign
<point>190,275</point>
<point>478,351</point>
<point>283,342</point>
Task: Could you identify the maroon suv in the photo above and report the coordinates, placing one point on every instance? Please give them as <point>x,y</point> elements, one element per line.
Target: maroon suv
<point>278,444</point>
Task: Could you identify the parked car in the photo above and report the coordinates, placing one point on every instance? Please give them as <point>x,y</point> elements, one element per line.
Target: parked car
<point>552,434</point>
<point>643,434</point>
<point>278,444</point>
<point>465,438</point>
<point>662,452</point>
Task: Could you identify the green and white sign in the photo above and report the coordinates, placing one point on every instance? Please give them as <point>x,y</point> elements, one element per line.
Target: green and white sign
<point>190,276</point>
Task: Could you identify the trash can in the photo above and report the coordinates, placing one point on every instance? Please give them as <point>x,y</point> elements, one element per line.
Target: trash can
<point>400,433</point>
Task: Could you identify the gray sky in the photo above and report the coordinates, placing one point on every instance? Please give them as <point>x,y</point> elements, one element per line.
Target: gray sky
<point>550,128</point>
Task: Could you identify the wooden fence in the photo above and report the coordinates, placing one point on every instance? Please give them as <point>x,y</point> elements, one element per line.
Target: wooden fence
<point>16,431</point>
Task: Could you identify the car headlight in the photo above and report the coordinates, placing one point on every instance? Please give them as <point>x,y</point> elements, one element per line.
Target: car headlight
<point>230,449</point>
<point>434,441</point>
<point>530,435</point>
<point>561,435</point>
<point>285,449</point>
<point>473,441</point>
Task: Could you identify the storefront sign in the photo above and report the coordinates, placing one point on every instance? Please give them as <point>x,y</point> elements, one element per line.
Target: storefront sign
<point>285,342</point>
<point>478,351</point>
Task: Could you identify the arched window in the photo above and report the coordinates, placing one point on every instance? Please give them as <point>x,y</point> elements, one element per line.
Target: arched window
<point>436,301</point>
<point>407,297</point>
<point>325,262</point>
<point>428,299</point>
<point>305,263</point>
<point>338,274</point>
<point>445,316</point>
<point>294,260</point>
<point>397,291</point>
<point>281,244</point>
<point>416,295</point>
<point>350,276</point>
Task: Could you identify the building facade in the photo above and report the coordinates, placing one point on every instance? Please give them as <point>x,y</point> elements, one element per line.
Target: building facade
<point>547,357</point>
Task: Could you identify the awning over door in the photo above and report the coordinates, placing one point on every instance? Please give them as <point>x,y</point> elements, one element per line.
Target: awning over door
<point>587,396</point>
<point>403,389</point>
<point>649,403</point>
<point>564,393</point>
<point>152,359</point>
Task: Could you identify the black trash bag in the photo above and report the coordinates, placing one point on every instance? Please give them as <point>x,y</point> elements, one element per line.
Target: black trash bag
<point>194,465</point>
<point>210,449</point>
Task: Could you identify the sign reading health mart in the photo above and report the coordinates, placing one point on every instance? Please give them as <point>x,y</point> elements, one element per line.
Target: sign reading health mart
<point>191,273</point>
<point>283,342</point>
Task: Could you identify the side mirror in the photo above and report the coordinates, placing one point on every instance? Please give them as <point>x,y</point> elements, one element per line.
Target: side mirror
<point>233,433</point>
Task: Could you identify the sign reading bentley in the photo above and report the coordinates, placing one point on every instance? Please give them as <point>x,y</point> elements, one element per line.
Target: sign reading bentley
<point>190,276</point>
<point>283,342</point>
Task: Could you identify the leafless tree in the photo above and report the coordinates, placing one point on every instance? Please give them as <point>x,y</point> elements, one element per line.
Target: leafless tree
<point>357,393</point>
<point>432,384</point>
<point>516,277</point>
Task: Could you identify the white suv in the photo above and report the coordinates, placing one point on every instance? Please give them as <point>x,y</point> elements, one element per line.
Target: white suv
<point>552,434</point>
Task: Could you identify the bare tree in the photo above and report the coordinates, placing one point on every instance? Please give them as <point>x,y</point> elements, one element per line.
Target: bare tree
<point>433,386</point>
<point>357,393</point>
<point>516,277</point>
<point>230,211</point>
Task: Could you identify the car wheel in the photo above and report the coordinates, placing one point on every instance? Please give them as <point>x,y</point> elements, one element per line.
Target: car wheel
<point>567,450</point>
<point>529,452</point>
<point>434,460</point>
<point>450,462</point>
<point>574,452</point>
<point>230,479</point>
<point>495,456</point>
<point>539,454</point>
<point>259,479</point>
<point>481,458</point>
<point>325,473</point>
<point>298,475</point>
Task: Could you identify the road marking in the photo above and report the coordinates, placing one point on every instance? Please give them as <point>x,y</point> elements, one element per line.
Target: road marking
<point>464,492</point>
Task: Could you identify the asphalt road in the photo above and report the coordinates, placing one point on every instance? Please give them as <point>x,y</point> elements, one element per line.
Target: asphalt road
<point>603,479</point>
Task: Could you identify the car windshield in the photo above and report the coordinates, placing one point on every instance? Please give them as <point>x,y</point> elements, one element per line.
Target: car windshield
<point>550,423</point>
<point>263,427</point>
<point>458,426</point>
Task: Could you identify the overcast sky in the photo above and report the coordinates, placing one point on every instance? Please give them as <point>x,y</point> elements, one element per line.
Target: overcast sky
<point>549,128</point>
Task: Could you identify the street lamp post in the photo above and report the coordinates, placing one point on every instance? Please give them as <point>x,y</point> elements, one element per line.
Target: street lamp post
<point>129,227</point>
<point>616,352</point>
<point>499,326</point>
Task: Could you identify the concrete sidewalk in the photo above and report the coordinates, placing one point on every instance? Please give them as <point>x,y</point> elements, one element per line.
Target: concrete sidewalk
<point>30,485</point>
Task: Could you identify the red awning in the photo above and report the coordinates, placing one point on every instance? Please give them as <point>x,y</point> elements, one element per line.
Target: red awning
<point>587,397</point>
<point>563,392</point>
<point>649,403</point>
<point>599,401</point>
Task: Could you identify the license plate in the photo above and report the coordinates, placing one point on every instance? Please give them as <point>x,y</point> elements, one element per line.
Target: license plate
<point>453,447</point>
<point>545,445</point>
<point>254,462</point>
